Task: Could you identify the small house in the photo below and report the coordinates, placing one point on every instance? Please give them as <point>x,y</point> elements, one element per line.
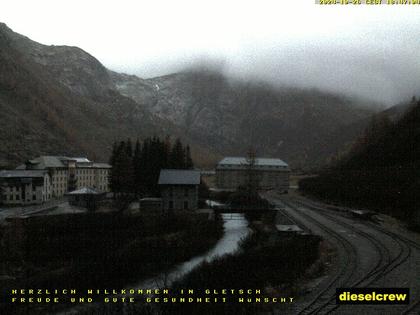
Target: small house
<point>179,189</point>
<point>85,197</point>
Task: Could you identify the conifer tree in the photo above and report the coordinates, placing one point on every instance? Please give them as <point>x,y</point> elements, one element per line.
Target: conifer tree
<point>188,160</point>
<point>177,158</point>
<point>137,167</point>
<point>137,171</point>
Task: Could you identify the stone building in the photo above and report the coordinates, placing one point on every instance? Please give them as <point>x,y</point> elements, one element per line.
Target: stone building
<point>232,172</point>
<point>22,187</point>
<point>71,173</point>
<point>179,189</point>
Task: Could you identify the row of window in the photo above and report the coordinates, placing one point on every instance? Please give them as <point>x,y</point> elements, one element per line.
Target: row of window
<point>15,197</point>
<point>18,188</point>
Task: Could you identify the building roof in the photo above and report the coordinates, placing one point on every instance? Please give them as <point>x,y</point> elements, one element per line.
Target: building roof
<point>258,161</point>
<point>84,191</point>
<point>101,165</point>
<point>46,161</point>
<point>179,177</point>
<point>80,159</point>
<point>53,161</point>
<point>21,173</point>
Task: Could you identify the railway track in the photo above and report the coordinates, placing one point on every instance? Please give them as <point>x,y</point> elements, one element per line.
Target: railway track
<point>348,265</point>
<point>405,249</point>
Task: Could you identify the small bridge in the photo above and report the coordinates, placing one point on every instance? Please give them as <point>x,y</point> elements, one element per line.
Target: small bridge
<point>232,216</point>
<point>241,210</point>
<point>235,213</point>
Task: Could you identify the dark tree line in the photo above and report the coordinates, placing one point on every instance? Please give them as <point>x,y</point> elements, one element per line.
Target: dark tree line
<point>136,168</point>
<point>381,172</point>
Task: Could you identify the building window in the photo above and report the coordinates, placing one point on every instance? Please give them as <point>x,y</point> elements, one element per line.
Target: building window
<point>185,192</point>
<point>34,197</point>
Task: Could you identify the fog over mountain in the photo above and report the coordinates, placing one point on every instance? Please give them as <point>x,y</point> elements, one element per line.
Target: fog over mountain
<point>62,99</point>
<point>367,51</point>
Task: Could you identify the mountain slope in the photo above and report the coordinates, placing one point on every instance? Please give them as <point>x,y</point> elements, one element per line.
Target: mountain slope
<point>232,115</point>
<point>61,100</point>
<point>381,173</point>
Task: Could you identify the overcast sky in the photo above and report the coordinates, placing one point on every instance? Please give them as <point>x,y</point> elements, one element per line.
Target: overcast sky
<point>371,51</point>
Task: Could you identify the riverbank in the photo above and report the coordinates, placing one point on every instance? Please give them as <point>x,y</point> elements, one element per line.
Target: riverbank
<point>98,250</point>
<point>261,275</point>
<point>265,262</point>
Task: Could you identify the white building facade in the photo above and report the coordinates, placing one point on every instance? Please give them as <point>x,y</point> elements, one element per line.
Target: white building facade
<point>22,187</point>
<point>68,173</point>
<point>179,189</point>
<point>232,172</point>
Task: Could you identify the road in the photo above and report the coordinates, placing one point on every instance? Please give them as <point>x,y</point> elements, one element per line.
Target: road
<point>6,212</point>
<point>368,254</point>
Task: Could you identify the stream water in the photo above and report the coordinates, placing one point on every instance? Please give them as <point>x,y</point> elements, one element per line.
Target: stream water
<point>235,229</point>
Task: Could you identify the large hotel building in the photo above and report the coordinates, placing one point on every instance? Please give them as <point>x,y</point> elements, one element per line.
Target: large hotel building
<point>46,177</point>
<point>232,172</point>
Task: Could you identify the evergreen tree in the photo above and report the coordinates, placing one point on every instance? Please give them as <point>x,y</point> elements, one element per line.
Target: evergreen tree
<point>113,176</point>
<point>177,158</point>
<point>137,171</point>
<point>137,167</point>
<point>126,168</point>
<point>188,160</point>
<point>129,148</point>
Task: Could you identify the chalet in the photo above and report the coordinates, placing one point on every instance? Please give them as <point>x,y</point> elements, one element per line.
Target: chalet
<point>179,189</point>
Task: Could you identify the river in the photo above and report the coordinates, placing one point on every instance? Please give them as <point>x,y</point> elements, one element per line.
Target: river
<point>235,229</point>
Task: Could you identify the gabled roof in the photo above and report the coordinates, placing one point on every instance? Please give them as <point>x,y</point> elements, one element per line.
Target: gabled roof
<point>258,161</point>
<point>79,159</point>
<point>46,161</point>
<point>52,161</point>
<point>101,165</point>
<point>179,177</point>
